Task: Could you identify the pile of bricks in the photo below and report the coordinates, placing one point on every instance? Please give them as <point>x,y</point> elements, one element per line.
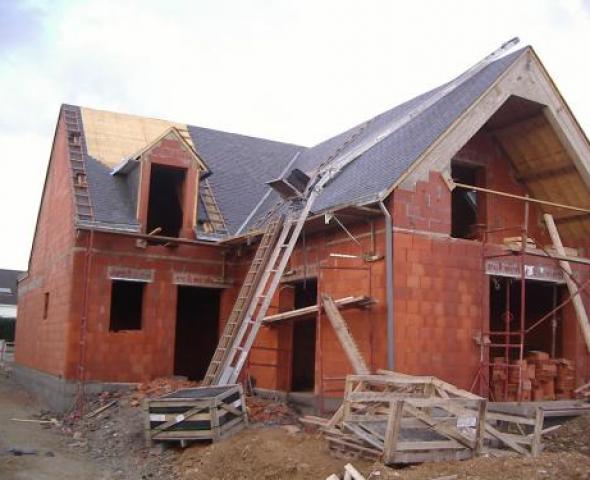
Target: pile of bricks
<point>541,377</point>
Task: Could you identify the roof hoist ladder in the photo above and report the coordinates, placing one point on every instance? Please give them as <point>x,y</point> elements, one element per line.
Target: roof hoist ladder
<point>278,242</point>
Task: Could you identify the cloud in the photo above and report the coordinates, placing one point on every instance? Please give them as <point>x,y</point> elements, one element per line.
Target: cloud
<point>21,26</point>
<point>295,71</point>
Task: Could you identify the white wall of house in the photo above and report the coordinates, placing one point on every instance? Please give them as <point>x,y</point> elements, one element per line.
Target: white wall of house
<point>7,311</point>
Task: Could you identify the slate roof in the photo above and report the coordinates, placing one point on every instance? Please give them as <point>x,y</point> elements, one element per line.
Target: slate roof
<point>8,280</point>
<point>371,174</point>
<point>240,165</point>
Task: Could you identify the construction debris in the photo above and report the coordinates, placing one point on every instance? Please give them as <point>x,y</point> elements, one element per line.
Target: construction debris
<point>404,419</point>
<point>350,473</point>
<point>268,412</point>
<point>583,391</point>
<point>572,436</point>
<point>101,409</point>
<point>161,386</point>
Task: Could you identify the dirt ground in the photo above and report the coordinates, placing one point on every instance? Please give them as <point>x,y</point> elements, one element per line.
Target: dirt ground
<point>110,445</point>
<point>32,451</point>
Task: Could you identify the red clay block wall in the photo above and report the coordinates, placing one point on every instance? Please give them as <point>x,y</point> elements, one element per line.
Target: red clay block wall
<point>440,292</point>
<point>438,306</point>
<point>41,342</point>
<point>134,355</point>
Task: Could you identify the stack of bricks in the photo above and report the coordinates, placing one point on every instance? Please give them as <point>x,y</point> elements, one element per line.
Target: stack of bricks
<point>518,371</point>
<point>565,383</point>
<point>541,377</point>
<point>545,373</point>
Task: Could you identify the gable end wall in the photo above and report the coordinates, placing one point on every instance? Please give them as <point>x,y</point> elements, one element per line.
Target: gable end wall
<point>41,343</point>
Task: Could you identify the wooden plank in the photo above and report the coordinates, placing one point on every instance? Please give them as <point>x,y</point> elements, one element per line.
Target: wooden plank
<point>146,424</point>
<point>442,402</point>
<point>452,389</point>
<point>432,456</point>
<point>536,445</point>
<point>396,413</point>
<point>346,339</point>
<point>506,440</point>
<point>582,388</point>
<point>376,433</point>
<point>181,417</point>
<point>177,403</point>
<point>481,427</point>
<point>364,435</point>
<point>378,396</point>
<point>445,430</point>
<point>101,409</point>
<point>354,446</point>
<point>377,379</point>
<point>577,301</point>
<point>510,418</point>
<point>365,418</point>
<point>353,473</point>
<point>429,445</point>
<point>313,420</point>
<point>313,309</point>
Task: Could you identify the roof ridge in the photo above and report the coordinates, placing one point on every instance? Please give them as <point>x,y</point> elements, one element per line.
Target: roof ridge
<point>504,50</point>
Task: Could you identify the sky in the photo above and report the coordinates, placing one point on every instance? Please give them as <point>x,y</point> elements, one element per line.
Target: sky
<point>298,71</point>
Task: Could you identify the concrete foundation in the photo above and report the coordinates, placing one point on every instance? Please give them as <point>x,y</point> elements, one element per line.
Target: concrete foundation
<point>58,394</point>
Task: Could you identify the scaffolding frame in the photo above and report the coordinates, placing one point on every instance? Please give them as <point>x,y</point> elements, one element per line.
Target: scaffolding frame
<point>509,339</point>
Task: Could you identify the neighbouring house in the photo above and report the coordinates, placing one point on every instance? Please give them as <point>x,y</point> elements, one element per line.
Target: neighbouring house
<point>147,228</point>
<point>8,303</point>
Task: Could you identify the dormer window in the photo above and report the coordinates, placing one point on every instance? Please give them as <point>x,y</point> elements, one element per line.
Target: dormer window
<point>163,180</point>
<point>166,200</point>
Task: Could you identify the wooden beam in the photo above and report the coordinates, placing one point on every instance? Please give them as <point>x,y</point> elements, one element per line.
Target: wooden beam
<point>512,128</point>
<point>520,197</point>
<point>346,339</point>
<point>394,419</point>
<point>572,287</point>
<point>312,310</point>
<point>578,217</point>
<point>550,172</point>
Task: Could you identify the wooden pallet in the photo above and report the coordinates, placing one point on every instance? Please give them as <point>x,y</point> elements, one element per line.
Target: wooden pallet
<point>405,419</point>
<point>201,413</point>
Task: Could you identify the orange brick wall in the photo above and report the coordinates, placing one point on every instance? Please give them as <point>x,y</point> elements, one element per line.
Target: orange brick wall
<point>41,343</point>
<point>134,356</point>
<point>440,294</point>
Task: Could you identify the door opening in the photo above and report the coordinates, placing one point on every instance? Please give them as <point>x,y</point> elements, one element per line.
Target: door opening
<point>197,330</point>
<point>540,299</point>
<point>304,339</point>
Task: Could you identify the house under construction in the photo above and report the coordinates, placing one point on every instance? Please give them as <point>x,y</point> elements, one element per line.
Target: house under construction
<point>446,236</point>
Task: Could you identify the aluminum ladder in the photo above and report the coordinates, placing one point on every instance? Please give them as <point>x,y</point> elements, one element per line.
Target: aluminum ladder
<point>264,277</point>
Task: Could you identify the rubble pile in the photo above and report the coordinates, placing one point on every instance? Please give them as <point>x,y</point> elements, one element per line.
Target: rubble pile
<point>269,412</point>
<point>572,436</point>
<point>162,386</point>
